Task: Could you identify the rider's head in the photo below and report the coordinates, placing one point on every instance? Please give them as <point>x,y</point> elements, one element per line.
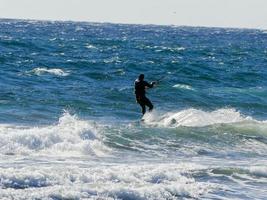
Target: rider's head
<point>141,77</point>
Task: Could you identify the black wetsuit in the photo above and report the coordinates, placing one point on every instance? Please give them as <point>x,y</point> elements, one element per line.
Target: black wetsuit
<point>140,94</point>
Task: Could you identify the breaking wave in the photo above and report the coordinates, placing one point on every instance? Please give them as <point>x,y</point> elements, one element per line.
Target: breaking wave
<point>69,137</point>
<point>183,86</point>
<point>195,118</point>
<point>162,181</point>
<point>42,70</point>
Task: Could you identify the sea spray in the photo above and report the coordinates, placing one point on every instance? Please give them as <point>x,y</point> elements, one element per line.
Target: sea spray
<point>195,118</point>
<point>70,137</point>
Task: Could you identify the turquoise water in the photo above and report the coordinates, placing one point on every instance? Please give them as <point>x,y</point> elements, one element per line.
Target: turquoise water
<point>69,123</point>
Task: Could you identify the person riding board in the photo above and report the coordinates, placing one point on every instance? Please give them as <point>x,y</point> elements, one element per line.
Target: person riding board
<point>140,93</point>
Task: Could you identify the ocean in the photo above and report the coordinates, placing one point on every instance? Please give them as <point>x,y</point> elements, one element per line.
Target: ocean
<point>70,127</point>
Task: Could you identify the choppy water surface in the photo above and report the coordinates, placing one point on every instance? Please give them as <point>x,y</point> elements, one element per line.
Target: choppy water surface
<point>69,124</point>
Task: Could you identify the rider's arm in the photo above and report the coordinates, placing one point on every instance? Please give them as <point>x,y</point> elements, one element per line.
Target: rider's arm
<point>150,85</point>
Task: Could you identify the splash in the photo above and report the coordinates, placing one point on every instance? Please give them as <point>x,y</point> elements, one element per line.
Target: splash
<point>194,118</point>
<point>70,137</point>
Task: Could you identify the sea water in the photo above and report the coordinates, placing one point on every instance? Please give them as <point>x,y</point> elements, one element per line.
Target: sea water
<point>70,127</point>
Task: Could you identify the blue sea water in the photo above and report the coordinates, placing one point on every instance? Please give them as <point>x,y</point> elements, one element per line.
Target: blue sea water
<point>70,127</point>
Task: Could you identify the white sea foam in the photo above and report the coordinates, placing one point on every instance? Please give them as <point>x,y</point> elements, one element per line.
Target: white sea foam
<point>115,59</point>
<point>70,137</point>
<point>90,46</point>
<point>43,70</point>
<point>259,171</point>
<point>194,118</point>
<point>52,39</point>
<point>79,28</point>
<point>163,48</point>
<point>173,49</point>
<point>146,181</point>
<point>183,86</point>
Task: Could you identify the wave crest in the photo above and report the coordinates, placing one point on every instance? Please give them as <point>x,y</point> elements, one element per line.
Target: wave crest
<point>148,181</point>
<point>194,118</point>
<point>42,70</point>
<point>183,86</point>
<point>70,137</point>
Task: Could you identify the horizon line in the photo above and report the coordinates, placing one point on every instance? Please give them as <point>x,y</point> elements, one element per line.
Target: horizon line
<point>124,23</point>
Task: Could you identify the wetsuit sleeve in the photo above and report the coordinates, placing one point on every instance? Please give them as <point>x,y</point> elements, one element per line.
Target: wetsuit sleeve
<point>149,85</point>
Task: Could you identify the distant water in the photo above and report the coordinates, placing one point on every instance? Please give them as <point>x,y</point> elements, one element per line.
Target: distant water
<point>69,124</point>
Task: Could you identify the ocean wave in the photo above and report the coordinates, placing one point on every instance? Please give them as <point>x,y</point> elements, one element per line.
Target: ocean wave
<point>183,86</point>
<point>90,46</point>
<point>131,181</point>
<point>79,28</point>
<point>241,174</point>
<point>260,171</point>
<point>195,118</point>
<point>43,70</point>
<point>69,137</point>
<point>72,137</point>
<point>162,48</point>
<point>115,59</point>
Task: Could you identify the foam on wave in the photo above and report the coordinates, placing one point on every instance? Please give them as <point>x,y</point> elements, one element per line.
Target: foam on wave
<point>183,86</point>
<point>43,70</point>
<point>148,181</point>
<point>260,171</point>
<point>195,118</point>
<point>70,137</point>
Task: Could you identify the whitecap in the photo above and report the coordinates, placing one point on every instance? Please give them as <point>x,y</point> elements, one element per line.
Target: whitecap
<point>52,39</point>
<point>172,49</point>
<point>180,48</point>
<point>194,118</point>
<point>90,46</point>
<point>125,181</point>
<point>258,171</point>
<point>43,70</point>
<point>183,86</point>
<point>79,28</point>
<point>115,59</point>
<point>162,48</point>
<point>120,72</point>
<point>70,137</point>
